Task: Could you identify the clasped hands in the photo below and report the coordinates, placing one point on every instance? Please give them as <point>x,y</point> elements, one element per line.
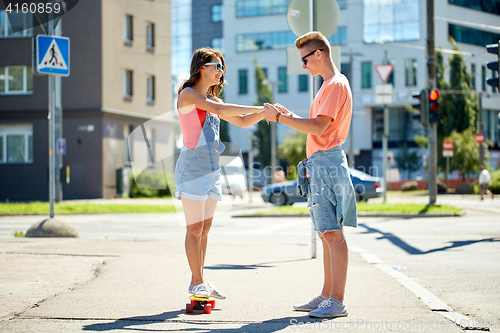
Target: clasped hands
<point>271,112</point>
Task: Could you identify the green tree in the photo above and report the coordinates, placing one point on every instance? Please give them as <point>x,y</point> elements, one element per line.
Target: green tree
<point>263,132</point>
<point>407,160</point>
<point>466,153</point>
<point>224,131</point>
<point>457,110</point>
<point>224,128</point>
<point>293,150</point>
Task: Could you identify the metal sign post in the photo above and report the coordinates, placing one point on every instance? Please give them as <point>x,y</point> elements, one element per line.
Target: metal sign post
<point>447,152</point>
<point>52,59</point>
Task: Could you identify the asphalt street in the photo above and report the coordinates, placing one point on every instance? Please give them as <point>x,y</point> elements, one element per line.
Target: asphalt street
<point>454,258</point>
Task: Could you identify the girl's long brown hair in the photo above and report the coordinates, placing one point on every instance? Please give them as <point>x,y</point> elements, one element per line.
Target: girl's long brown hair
<point>201,57</point>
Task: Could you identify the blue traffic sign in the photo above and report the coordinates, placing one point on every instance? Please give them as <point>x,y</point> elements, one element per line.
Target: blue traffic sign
<point>61,146</point>
<point>52,56</point>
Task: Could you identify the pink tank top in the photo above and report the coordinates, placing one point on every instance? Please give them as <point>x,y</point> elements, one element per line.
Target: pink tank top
<point>191,125</point>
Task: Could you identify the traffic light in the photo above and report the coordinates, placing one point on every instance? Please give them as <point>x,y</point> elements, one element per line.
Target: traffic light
<point>493,48</point>
<point>423,116</point>
<point>379,122</point>
<point>433,106</point>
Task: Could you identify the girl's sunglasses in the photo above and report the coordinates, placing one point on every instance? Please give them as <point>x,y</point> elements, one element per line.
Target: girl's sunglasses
<point>304,60</point>
<point>218,67</point>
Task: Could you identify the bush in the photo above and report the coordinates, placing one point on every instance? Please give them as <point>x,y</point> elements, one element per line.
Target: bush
<point>151,184</point>
<point>495,182</point>
<point>409,186</point>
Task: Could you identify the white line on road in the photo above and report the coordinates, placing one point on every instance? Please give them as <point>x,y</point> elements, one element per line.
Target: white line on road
<point>428,298</point>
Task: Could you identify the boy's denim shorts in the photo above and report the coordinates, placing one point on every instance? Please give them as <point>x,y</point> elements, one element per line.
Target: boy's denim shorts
<point>194,178</point>
<point>323,212</point>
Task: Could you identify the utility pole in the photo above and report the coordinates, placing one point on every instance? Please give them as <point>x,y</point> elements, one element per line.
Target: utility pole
<point>274,85</point>
<point>250,168</point>
<point>311,96</point>
<point>52,116</point>
<point>431,84</point>
<point>58,123</point>
<point>351,56</point>
<point>480,129</point>
<point>385,140</point>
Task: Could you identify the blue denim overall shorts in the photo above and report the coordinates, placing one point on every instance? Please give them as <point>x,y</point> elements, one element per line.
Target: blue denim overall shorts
<point>197,172</point>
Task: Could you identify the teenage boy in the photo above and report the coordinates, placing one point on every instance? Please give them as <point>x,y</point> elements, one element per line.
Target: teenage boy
<point>327,183</point>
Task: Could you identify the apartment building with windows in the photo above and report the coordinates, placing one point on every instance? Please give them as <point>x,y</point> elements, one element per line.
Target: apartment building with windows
<point>119,79</point>
<point>369,33</point>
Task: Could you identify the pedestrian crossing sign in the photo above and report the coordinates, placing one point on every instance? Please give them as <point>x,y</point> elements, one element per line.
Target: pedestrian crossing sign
<point>52,56</point>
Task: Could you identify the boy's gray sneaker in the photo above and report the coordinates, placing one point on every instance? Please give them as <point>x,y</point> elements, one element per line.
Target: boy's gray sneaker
<point>312,304</point>
<point>330,308</point>
<point>215,293</point>
<point>202,290</point>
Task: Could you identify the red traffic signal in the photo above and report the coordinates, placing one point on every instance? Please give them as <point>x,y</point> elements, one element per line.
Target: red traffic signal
<point>433,103</point>
<point>433,95</point>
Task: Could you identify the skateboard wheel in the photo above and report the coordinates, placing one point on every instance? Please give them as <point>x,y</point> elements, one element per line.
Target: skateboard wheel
<point>193,302</point>
<point>189,308</point>
<point>212,304</point>
<point>207,309</point>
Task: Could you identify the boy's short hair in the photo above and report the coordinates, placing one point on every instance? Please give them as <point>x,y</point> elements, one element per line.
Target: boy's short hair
<point>313,40</point>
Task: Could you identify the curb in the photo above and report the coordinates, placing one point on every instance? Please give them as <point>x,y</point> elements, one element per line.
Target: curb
<point>363,214</point>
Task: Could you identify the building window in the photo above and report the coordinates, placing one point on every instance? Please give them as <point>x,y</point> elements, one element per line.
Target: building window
<point>264,41</point>
<point>487,6</point>
<point>16,143</point>
<point>151,89</point>
<point>245,8</point>
<point>472,36</point>
<point>22,23</point>
<point>303,82</point>
<point>129,29</point>
<point>390,80</point>
<point>283,80</point>
<point>473,75</point>
<point>216,13</point>
<point>483,78</point>
<point>243,81</point>
<point>339,37</point>
<point>366,74</point>
<point>16,80</point>
<point>344,69</point>
<point>391,21</point>
<point>342,4</point>
<point>129,84</point>
<point>217,44</point>
<point>150,36</point>
<point>411,72</point>
<point>128,144</point>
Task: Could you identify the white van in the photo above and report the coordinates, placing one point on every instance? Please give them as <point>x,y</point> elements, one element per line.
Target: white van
<point>233,177</point>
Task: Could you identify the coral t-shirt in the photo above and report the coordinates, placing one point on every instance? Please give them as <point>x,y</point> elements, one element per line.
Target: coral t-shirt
<point>334,99</point>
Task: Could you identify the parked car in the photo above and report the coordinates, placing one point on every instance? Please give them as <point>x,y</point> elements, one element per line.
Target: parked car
<point>261,177</point>
<point>283,193</point>
<point>233,171</point>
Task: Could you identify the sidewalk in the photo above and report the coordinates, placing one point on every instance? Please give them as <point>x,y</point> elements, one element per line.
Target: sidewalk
<point>74,285</point>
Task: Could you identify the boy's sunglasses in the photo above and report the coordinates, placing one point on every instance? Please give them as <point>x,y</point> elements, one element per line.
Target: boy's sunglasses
<point>304,60</point>
<point>218,67</point>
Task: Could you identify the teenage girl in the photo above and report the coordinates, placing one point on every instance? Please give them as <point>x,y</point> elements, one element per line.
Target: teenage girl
<point>197,172</point>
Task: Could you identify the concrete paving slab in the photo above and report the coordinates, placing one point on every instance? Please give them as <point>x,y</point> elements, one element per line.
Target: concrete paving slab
<point>142,285</point>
